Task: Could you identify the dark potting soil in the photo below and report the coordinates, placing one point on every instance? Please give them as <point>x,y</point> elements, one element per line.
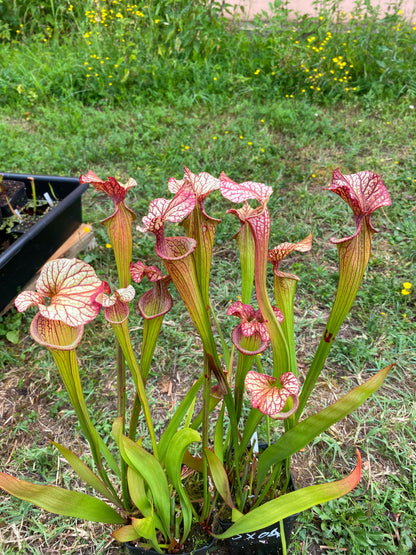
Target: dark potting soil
<point>12,193</point>
<point>13,197</point>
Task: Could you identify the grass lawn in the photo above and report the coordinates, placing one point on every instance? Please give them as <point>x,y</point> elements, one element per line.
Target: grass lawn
<point>291,142</point>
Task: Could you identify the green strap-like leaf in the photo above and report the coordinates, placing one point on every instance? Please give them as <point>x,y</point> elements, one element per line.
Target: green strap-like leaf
<point>67,364</point>
<point>145,527</point>
<point>193,462</point>
<point>121,331</point>
<point>177,418</point>
<point>292,503</point>
<point>226,355</point>
<point>61,501</point>
<point>149,469</point>
<point>125,534</point>
<point>85,473</point>
<point>244,365</point>
<point>177,447</point>
<point>137,490</point>
<point>284,294</point>
<point>151,330</point>
<point>304,432</point>
<point>219,475</point>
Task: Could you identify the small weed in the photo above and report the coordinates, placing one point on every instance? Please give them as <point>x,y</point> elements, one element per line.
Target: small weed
<point>10,326</point>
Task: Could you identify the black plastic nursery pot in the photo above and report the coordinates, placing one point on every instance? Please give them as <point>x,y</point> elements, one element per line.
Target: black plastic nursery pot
<point>262,542</point>
<point>26,255</point>
<point>198,551</point>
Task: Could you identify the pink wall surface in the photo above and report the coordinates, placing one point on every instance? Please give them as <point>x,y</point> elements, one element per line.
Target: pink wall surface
<point>252,7</point>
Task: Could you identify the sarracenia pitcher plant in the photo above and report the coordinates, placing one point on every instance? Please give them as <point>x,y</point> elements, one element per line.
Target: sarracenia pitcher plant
<point>205,463</point>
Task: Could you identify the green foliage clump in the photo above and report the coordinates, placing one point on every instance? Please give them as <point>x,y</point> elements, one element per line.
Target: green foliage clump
<point>113,51</point>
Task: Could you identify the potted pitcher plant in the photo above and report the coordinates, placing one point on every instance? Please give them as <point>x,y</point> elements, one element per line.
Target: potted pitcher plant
<point>162,490</point>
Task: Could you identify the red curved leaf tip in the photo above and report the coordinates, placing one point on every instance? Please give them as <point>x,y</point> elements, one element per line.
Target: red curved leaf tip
<point>355,475</point>
<point>116,308</point>
<point>156,301</point>
<point>90,177</point>
<point>249,345</point>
